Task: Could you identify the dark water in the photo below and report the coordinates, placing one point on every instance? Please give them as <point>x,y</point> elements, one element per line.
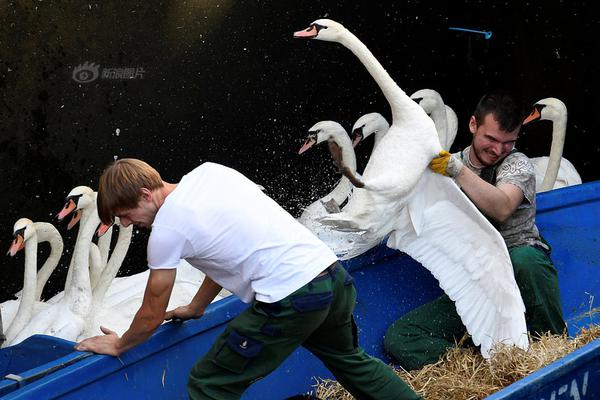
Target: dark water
<point>180,83</point>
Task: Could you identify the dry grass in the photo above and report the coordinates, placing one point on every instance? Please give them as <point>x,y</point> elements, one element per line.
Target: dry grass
<point>463,374</point>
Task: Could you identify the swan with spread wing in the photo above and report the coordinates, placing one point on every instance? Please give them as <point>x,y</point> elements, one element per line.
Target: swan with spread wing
<point>426,215</point>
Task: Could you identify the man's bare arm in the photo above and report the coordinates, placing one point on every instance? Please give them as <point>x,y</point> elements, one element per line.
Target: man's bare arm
<point>205,295</point>
<point>149,317</point>
<point>497,202</point>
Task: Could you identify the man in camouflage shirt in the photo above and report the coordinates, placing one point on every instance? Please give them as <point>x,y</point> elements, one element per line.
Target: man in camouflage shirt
<point>501,183</point>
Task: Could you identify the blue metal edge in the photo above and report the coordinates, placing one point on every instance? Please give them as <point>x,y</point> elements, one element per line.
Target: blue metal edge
<point>568,197</point>
<point>549,374</point>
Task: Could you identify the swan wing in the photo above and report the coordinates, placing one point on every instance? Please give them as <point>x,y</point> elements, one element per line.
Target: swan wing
<point>468,257</point>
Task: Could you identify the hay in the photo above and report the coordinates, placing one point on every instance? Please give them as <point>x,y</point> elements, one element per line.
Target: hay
<point>463,374</point>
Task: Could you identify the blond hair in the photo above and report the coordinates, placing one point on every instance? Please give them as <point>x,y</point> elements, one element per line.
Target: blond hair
<point>120,186</point>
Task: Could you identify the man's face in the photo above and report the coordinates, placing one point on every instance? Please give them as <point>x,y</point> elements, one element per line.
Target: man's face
<point>490,143</point>
<point>141,216</point>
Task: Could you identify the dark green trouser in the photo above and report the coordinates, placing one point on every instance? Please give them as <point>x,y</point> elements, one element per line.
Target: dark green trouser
<point>423,335</point>
<point>317,316</point>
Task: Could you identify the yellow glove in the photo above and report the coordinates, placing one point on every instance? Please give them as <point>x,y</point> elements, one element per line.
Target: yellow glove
<point>446,164</point>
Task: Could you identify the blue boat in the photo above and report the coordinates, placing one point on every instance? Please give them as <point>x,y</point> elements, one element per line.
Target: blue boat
<point>389,284</point>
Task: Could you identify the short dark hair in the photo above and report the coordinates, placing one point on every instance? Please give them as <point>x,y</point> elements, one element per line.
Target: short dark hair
<point>507,110</point>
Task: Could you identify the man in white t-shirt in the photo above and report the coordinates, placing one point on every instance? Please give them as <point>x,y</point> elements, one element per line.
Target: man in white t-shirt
<point>221,223</point>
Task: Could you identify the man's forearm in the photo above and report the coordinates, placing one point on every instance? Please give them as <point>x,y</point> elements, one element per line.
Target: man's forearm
<point>492,201</point>
<point>152,311</point>
<point>205,295</point>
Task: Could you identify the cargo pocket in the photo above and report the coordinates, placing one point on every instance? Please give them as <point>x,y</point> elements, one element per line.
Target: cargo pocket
<point>237,352</point>
<point>312,301</point>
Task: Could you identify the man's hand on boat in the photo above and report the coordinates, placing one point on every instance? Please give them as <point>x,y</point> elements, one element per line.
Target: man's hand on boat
<point>183,313</point>
<point>102,344</point>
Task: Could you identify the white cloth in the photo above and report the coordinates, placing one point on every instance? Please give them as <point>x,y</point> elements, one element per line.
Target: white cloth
<point>223,224</point>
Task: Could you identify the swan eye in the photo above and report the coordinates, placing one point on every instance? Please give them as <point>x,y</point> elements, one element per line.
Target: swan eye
<point>319,27</point>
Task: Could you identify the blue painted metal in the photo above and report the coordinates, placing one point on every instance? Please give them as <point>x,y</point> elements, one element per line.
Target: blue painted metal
<point>389,284</point>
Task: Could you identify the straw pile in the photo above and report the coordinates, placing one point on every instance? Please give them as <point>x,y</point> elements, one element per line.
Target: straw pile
<point>463,374</point>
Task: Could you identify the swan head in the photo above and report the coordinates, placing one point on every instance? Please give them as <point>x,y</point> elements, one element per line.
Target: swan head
<point>428,99</point>
<point>322,29</point>
<point>23,230</point>
<point>103,228</point>
<point>368,124</point>
<point>78,199</point>
<point>549,108</point>
<point>320,132</point>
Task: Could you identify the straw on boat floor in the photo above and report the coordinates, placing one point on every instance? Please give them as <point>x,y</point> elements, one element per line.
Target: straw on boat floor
<point>462,373</point>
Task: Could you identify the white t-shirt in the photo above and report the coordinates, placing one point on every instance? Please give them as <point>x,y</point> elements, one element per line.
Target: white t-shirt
<point>223,224</point>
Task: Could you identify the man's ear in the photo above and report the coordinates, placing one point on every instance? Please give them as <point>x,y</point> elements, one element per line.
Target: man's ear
<point>146,194</point>
<point>473,125</point>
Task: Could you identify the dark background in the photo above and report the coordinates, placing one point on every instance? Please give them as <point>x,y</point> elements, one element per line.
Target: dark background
<point>224,81</point>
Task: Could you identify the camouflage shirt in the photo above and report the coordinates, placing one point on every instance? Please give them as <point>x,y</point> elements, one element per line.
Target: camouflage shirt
<point>519,229</point>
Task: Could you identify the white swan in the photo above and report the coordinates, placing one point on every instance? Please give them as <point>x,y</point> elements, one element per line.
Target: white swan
<point>345,244</point>
<point>65,317</point>
<point>443,116</point>
<point>27,234</point>
<point>333,133</point>
<point>426,214</point>
<point>78,205</point>
<point>554,171</point>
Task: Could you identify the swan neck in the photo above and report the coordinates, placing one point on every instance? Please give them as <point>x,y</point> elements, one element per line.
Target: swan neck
<point>395,96</point>
<point>48,233</point>
<point>113,264</point>
<point>25,309</point>
<point>559,129</point>
<point>80,280</point>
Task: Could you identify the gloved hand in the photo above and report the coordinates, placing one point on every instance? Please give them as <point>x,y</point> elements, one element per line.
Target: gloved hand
<point>446,164</point>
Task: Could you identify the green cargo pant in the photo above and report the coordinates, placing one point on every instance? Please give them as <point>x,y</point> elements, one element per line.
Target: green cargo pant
<point>424,334</point>
<point>317,316</point>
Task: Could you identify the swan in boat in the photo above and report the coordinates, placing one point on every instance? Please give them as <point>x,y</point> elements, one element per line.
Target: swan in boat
<point>66,314</point>
<point>426,215</point>
<point>27,236</point>
<point>443,116</point>
<point>554,171</point>
<point>81,203</point>
<point>345,244</point>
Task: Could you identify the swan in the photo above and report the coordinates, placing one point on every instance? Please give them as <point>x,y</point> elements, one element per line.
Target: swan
<point>80,205</point>
<point>66,315</point>
<point>346,245</point>
<point>334,134</point>
<point>554,171</point>
<point>443,116</point>
<point>419,209</point>
<point>27,235</point>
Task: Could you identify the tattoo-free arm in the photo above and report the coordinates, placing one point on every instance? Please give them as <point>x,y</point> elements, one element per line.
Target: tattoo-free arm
<point>497,202</point>
<point>203,297</point>
<point>149,317</point>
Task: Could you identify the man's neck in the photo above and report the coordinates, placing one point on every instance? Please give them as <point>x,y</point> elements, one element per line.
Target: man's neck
<point>473,159</point>
<point>163,192</point>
